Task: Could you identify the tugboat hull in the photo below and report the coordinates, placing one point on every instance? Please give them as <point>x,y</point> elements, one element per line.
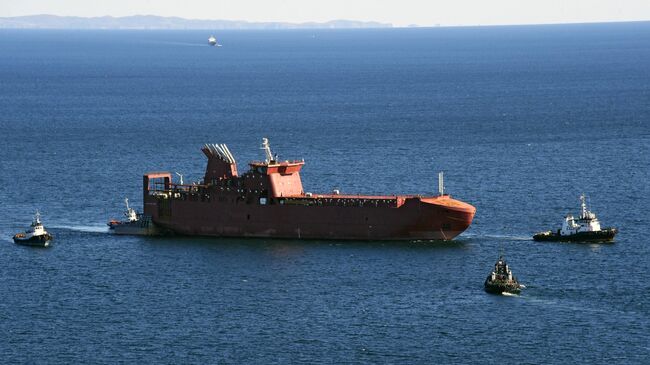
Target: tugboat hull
<point>142,227</point>
<point>604,235</point>
<point>500,288</point>
<point>34,241</point>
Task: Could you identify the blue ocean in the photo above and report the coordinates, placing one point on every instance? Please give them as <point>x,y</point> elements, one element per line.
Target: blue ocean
<point>521,119</point>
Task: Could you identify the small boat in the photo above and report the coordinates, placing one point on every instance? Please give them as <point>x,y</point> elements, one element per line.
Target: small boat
<point>213,41</point>
<point>134,224</point>
<point>35,235</point>
<point>130,214</point>
<point>501,280</point>
<point>584,229</point>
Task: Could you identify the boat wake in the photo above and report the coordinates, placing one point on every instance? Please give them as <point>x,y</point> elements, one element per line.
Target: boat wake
<point>499,236</point>
<point>77,228</point>
<point>509,294</point>
<point>186,44</point>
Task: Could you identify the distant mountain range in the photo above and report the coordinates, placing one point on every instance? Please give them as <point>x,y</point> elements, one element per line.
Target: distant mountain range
<point>160,22</point>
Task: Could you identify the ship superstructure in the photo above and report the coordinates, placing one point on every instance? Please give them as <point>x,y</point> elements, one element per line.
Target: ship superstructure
<point>268,200</point>
<point>586,222</point>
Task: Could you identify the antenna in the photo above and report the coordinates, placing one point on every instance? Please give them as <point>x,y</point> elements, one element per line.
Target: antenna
<point>267,150</point>
<point>441,183</point>
<point>181,176</point>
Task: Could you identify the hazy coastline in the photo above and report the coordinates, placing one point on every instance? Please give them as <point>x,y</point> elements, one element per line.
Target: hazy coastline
<point>45,21</point>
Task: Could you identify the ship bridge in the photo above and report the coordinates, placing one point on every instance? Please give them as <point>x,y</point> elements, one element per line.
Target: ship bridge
<point>282,178</point>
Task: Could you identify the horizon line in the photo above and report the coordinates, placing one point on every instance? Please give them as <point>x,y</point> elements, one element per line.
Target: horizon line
<point>254,22</point>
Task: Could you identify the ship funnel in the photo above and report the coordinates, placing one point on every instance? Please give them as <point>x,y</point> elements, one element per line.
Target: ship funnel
<point>221,162</point>
<point>441,183</point>
<point>219,150</point>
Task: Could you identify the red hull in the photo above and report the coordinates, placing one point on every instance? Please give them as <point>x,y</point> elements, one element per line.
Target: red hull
<point>414,220</point>
<point>269,201</point>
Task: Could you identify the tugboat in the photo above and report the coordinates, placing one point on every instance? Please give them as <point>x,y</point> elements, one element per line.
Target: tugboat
<point>584,229</point>
<point>35,235</point>
<point>130,214</point>
<point>135,223</point>
<point>501,279</point>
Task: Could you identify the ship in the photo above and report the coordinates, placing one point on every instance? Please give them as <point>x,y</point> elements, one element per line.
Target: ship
<point>584,229</point>
<point>501,280</point>
<point>134,224</point>
<point>268,201</point>
<point>35,235</point>
<point>213,41</point>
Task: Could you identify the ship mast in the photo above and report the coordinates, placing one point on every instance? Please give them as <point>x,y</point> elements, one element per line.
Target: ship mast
<point>267,150</point>
<point>583,204</point>
<point>37,218</point>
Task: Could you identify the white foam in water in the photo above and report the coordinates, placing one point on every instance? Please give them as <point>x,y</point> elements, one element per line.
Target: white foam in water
<point>184,44</point>
<point>516,238</point>
<point>92,229</point>
<point>500,236</point>
<point>509,294</point>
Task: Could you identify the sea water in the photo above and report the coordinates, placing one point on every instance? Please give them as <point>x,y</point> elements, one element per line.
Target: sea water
<point>521,119</point>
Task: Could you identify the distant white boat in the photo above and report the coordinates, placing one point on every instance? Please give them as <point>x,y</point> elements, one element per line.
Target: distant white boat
<point>213,41</point>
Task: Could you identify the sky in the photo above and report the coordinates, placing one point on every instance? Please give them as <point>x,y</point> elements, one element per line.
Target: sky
<point>397,12</point>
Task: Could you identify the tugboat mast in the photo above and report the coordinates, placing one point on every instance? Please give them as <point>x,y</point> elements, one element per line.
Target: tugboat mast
<point>37,218</point>
<point>584,214</point>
